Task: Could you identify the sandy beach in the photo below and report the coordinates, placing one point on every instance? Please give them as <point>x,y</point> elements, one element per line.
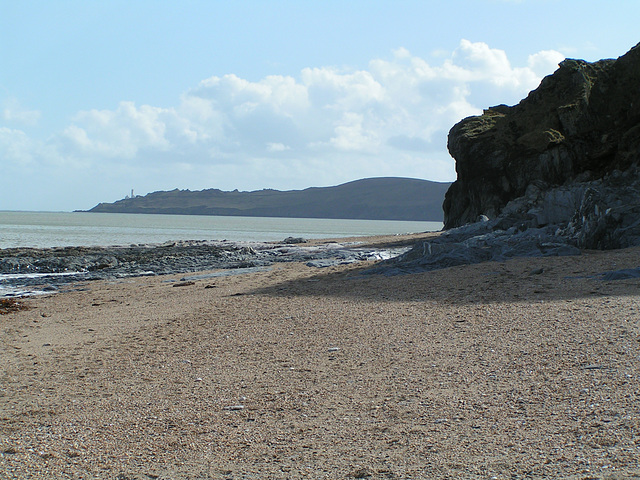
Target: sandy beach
<point>521,369</point>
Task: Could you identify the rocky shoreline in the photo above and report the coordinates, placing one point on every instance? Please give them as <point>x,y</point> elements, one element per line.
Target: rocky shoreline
<point>26,271</point>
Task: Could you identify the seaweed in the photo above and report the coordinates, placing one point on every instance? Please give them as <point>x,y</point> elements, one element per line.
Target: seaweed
<point>10,305</point>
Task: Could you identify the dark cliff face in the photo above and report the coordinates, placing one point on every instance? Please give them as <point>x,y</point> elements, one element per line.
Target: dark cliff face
<point>580,124</point>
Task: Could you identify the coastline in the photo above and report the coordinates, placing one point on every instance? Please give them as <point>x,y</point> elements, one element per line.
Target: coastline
<point>525,368</point>
<point>36,271</point>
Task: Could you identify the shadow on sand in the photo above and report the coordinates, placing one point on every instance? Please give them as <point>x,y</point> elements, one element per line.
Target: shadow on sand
<point>519,280</point>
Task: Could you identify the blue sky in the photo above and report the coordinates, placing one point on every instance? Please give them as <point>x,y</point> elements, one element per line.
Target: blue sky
<point>97,98</point>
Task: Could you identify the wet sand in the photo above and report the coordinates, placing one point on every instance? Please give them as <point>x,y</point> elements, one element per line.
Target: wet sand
<point>520,369</point>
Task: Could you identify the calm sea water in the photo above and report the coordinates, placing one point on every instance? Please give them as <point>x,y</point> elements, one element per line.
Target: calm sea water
<point>55,229</point>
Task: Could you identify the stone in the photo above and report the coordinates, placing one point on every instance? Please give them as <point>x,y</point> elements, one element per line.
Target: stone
<point>294,240</point>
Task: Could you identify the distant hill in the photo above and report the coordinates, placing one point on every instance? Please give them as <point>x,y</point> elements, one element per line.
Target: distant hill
<point>371,198</point>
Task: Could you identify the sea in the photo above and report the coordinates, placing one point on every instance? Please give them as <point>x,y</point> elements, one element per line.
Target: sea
<point>61,229</point>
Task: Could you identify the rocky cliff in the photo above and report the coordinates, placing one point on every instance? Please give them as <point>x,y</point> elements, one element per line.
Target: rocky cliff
<point>553,175</point>
<point>581,124</point>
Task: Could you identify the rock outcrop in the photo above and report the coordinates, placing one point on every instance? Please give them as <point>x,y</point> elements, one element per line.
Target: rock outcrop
<point>581,124</point>
<point>553,175</point>
<point>28,271</point>
<point>600,214</point>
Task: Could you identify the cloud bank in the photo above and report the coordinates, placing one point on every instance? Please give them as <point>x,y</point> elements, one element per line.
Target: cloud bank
<point>326,126</point>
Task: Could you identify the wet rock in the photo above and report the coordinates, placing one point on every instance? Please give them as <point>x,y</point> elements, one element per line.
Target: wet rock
<point>59,266</point>
<point>294,240</point>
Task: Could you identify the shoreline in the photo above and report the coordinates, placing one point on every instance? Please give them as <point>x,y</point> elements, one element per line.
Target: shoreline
<point>36,271</point>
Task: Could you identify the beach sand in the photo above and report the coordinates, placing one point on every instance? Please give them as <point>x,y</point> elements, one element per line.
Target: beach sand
<point>521,369</point>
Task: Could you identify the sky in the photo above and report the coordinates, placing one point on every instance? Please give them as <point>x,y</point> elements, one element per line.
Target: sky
<point>101,97</point>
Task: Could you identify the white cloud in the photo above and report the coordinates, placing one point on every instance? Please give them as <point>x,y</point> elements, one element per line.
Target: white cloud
<point>16,148</point>
<point>331,89</point>
<point>478,63</point>
<point>544,62</point>
<point>282,95</point>
<point>13,112</point>
<point>324,127</point>
<point>352,135</point>
<point>277,147</point>
<point>22,155</point>
<point>483,62</point>
<point>122,132</point>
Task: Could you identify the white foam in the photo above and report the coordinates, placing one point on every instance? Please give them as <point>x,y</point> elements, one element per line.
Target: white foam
<point>10,284</point>
<point>18,276</point>
<point>6,292</point>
